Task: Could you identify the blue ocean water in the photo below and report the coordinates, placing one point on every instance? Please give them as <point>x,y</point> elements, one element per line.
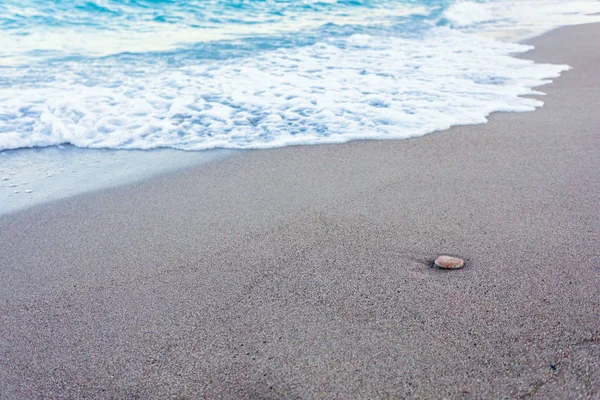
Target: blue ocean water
<point>204,74</point>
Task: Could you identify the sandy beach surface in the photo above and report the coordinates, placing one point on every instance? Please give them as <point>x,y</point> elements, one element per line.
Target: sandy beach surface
<point>305,272</point>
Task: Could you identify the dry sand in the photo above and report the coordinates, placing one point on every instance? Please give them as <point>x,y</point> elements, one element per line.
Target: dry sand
<point>305,271</point>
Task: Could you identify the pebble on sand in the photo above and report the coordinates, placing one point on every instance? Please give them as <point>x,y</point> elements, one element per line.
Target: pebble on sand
<point>449,262</point>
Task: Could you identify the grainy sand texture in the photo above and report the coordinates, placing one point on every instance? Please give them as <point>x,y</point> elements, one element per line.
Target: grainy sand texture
<point>305,272</point>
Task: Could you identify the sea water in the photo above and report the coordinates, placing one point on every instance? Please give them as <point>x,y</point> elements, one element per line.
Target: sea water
<point>246,74</point>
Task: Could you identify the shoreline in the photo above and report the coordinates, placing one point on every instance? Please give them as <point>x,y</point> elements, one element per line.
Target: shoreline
<point>37,176</point>
<point>304,271</point>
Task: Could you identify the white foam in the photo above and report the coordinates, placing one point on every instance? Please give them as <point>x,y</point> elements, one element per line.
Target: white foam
<point>516,20</point>
<point>467,13</point>
<point>362,87</point>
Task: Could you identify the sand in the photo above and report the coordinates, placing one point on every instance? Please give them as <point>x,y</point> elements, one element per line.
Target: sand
<point>306,271</point>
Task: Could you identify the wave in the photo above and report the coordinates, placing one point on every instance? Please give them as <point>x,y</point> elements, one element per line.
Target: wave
<point>401,72</point>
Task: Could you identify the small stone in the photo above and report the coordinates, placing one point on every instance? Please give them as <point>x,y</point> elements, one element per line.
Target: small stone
<point>449,262</point>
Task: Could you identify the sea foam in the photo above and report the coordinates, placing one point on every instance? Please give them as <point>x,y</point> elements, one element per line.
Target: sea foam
<point>360,87</point>
<point>418,73</point>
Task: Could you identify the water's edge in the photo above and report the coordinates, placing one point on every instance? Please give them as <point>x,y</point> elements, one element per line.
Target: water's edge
<point>36,176</point>
<point>31,177</point>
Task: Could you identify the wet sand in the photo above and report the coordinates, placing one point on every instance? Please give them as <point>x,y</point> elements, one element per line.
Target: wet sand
<point>306,271</point>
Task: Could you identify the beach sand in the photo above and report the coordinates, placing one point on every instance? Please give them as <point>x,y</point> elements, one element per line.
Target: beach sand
<point>306,271</point>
